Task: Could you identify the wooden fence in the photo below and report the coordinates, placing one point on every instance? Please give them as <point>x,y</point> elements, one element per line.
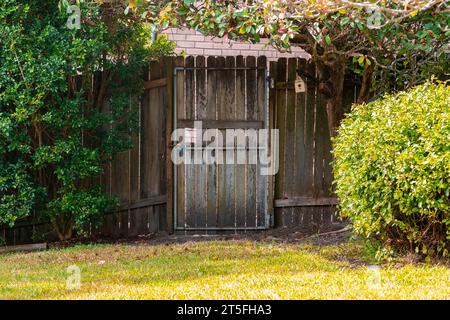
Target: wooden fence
<point>303,185</point>
<point>142,178</point>
<point>138,177</point>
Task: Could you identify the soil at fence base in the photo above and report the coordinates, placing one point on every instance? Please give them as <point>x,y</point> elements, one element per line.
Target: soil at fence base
<point>329,235</point>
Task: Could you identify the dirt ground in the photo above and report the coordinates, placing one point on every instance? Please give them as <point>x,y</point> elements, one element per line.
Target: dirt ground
<point>335,233</point>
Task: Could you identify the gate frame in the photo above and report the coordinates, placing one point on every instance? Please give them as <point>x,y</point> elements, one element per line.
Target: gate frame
<point>172,198</point>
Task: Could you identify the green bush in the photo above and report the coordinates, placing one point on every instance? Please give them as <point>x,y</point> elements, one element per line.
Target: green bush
<point>392,170</point>
<point>66,107</point>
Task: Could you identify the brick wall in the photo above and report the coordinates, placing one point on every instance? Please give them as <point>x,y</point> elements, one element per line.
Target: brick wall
<point>194,43</point>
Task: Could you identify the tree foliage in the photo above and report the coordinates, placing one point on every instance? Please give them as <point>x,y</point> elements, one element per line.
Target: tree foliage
<point>392,44</point>
<point>66,107</point>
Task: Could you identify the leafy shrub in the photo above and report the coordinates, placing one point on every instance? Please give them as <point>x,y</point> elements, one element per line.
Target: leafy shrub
<point>66,107</point>
<point>392,169</point>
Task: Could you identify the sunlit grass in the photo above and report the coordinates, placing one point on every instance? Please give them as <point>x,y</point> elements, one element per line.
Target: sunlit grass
<point>217,270</point>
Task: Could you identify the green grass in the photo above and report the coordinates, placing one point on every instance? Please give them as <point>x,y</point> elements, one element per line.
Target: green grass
<point>217,270</point>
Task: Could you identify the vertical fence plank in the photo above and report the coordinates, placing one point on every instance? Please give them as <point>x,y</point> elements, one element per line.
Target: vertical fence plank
<point>240,183</point>
<point>327,171</point>
<point>156,138</point>
<point>261,180</point>
<point>165,215</point>
<point>143,156</point>
<point>199,183</point>
<point>153,218</point>
<point>319,142</point>
<point>309,146</point>
<point>272,125</point>
<point>190,87</point>
<point>120,188</point>
<point>309,136</point>
<point>190,114</point>
<point>229,214</point>
<point>181,173</point>
<point>290,144</point>
<point>281,125</point>
<point>106,228</point>
<point>144,145</point>
<point>300,139</point>
<point>251,114</point>
<point>211,168</point>
<point>221,101</point>
<point>135,215</point>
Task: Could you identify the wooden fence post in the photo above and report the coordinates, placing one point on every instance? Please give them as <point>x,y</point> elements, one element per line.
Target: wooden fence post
<point>169,71</point>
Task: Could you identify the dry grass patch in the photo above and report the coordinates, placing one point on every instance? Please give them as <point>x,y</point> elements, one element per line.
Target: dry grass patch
<point>217,270</point>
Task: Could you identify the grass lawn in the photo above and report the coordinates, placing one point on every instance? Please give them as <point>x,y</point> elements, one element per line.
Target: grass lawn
<point>238,269</point>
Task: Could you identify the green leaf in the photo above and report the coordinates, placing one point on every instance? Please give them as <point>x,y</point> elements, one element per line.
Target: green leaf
<point>361,60</point>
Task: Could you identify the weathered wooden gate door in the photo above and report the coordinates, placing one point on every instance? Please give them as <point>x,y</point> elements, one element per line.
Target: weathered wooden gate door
<point>224,93</point>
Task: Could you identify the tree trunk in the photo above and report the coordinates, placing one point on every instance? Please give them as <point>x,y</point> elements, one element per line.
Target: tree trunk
<point>334,105</point>
<point>331,86</point>
<point>63,227</point>
<point>366,83</point>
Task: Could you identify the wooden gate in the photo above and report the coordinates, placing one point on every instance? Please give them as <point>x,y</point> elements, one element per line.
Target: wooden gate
<point>223,93</point>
